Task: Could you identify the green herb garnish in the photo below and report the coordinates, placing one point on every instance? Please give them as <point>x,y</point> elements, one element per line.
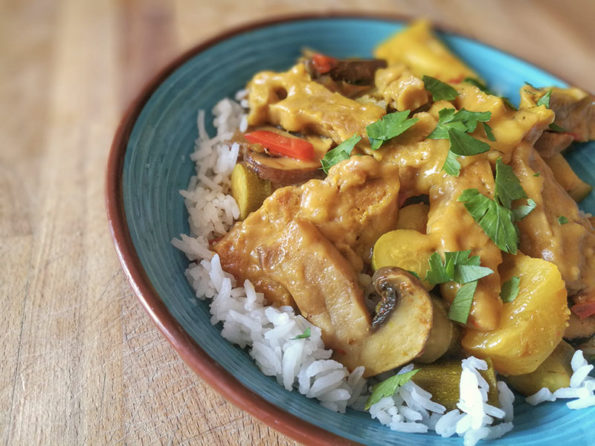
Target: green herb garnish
<point>339,153</point>
<point>391,125</point>
<point>414,274</point>
<point>496,217</point>
<point>388,387</point>
<point>304,335</point>
<point>508,186</point>
<point>510,289</point>
<point>489,133</point>
<point>562,220</point>
<point>439,90</point>
<point>464,144</point>
<point>495,220</point>
<point>461,305</point>
<point>545,99</point>
<point>522,211</point>
<point>458,267</point>
<point>556,128</point>
<point>536,174</point>
<point>483,87</point>
<point>456,126</point>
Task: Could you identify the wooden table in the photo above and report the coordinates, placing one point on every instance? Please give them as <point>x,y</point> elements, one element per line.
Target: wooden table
<point>82,362</point>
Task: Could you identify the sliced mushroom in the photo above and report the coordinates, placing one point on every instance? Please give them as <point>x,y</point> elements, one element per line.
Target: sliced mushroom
<point>357,71</point>
<point>349,77</point>
<point>282,171</point>
<point>402,326</point>
<point>390,284</point>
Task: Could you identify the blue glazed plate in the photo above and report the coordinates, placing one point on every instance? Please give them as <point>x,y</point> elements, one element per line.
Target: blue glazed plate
<point>149,164</point>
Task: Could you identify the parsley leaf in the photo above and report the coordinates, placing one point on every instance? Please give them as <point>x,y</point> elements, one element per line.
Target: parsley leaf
<point>536,174</point>
<point>461,305</point>
<point>439,90</point>
<point>521,212</point>
<point>463,120</point>
<point>508,186</point>
<point>545,99</point>
<point>438,272</point>
<point>389,126</point>
<point>556,128</point>
<point>464,144</point>
<point>455,126</point>
<point>488,131</point>
<point>496,217</point>
<point>414,274</point>
<point>562,220</point>
<point>457,266</point>
<point>451,165</point>
<point>495,220</point>
<point>483,87</point>
<point>388,387</point>
<point>304,335</point>
<point>471,273</point>
<point>339,153</point>
<point>445,120</point>
<point>471,119</point>
<point>510,289</point>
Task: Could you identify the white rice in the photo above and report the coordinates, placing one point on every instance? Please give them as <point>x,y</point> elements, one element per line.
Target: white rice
<point>271,334</point>
<point>274,336</point>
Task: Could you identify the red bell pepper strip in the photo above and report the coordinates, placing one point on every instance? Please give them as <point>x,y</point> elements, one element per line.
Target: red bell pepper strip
<point>282,145</point>
<point>322,63</point>
<point>584,310</point>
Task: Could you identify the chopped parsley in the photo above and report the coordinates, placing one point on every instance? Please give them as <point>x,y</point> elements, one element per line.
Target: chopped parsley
<point>439,90</point>
<point>414,274</point>
<point>536,174</point>
<point>339,153</point>
<point>483,87</point>
<point>458,267</point>
<point>462,143</point>
<point>545,99</point>
<point>510,289</point>
<point>456,126</point>
<point>562,220</point>
<point>304,335</point>
<point>391,125</point>
<point>495,220</point>
<point>489,133</point>
<point>508,186</point>
<point>496,216</point>
<point>522,211</point>
<point>461,305</point>
<point>388,387</point>
<point>556,128</point>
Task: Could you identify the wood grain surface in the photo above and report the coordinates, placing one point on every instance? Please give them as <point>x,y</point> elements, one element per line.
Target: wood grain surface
<point>81,361</point>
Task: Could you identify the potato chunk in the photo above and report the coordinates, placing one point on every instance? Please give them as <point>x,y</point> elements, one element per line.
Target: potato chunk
<point>418,48</point>
<point>531,326</point>
<point>553,373</point>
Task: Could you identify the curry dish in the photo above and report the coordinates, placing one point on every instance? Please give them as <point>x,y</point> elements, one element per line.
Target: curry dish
<point>411,213</point>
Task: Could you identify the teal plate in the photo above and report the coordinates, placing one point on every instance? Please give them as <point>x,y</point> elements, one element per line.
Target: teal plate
<point>149,164</point>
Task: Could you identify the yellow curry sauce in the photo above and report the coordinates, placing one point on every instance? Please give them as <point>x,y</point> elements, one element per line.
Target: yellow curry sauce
<point>309,242</point>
